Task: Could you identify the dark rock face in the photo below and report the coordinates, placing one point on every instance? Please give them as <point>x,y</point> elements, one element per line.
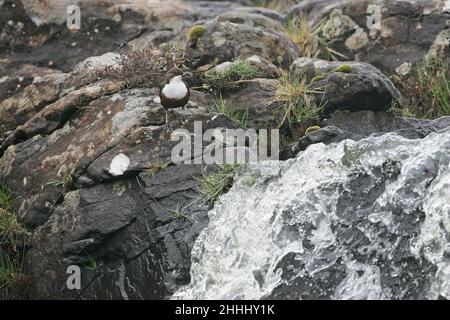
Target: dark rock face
<point>125,235</point>
<point>359,125</point>
<point>350,86</point>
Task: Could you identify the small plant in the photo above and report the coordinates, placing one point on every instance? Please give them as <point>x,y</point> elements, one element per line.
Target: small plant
<point>5,197</point>
<point>213,185</point>
<point>221,106</point>
<point>427,89</point>
<point>310,41</point>
<point>294,95</point>
<point>177,214</point>
<point>140,68</point>
<point>8,269</point>
<point>64,182</point>
<point>398,111</point>
<point>231,78</point>
<point>155,168</point>
<point>12,239</point>
<point>91,263</point>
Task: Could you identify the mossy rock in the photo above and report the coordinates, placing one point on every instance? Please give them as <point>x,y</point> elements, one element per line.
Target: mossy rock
<point>196,32</point>
<point>344,68</point>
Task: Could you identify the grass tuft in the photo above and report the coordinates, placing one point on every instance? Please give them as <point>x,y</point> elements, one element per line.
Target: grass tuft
<point>155,168</point>
<point>294,95</point>
<point>64,182</point>
<point>232,77</point>
<point>427,89</point>
<point>12,239</point>
<point>213,185</point>
<point>221,106</point>
<point>310,41</point>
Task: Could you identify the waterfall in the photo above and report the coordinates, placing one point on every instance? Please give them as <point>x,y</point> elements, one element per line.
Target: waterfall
<point>366,219</point>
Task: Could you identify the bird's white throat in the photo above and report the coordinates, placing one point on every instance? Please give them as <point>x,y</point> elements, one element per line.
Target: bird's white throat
<point>175,89</point>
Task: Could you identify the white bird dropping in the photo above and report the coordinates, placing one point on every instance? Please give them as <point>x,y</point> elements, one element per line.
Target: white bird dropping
<point>119,165</point>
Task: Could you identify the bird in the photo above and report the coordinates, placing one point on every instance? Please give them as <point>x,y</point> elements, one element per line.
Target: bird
<point>174,93</point>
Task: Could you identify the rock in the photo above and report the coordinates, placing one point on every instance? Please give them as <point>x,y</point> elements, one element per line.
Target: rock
<point>126,238</point>
<point>386,34</point>
<point>16,81</point>
<point>358,125</point>
<point>254,18</point>
<point>325,135</point>
<point>365,123</point>
<point>227,41</point>
<point>255,98</point>
<point>347,85</point>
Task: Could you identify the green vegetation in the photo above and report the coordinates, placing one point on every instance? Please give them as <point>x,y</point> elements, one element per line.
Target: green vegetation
<point>294,95</point>
<point>155,168</point>
<point>344,68</point>
<point>427,89</point>
<point>12,240</point>
<point>232,77</point>
<point>310,40</point>
<point>213,185</point>
<point>196,32</point>
<point>396,110</point>
<point>177,214</point>
<point>221,106</point>
<point>64,182</point>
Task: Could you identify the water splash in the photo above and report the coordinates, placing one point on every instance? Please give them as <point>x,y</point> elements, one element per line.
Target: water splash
<point>353,220</point>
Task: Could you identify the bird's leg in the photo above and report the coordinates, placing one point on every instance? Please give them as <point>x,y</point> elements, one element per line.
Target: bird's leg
<point>167,126</point>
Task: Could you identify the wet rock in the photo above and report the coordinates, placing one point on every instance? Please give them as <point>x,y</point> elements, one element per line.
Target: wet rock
<point>348,220</point>
<point>347,85</point>
<point>358,125</point>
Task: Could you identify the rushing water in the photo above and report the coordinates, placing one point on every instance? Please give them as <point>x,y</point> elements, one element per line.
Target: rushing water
<point>352,220</point>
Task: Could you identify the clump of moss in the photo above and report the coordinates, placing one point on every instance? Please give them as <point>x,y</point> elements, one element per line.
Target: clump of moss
<point>196,32</point>
<point>311,129</point>
<point>232,77</point>
<point>344,68</point>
